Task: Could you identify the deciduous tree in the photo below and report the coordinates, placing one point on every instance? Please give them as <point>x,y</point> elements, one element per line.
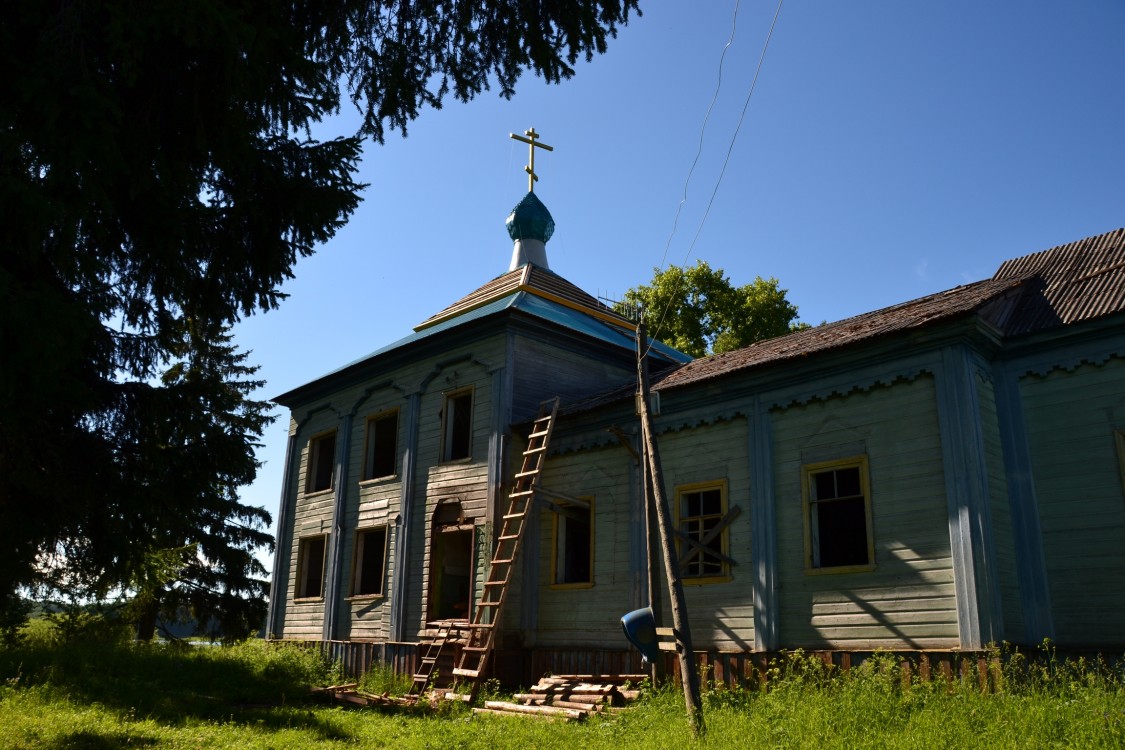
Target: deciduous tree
<point>699,311</point>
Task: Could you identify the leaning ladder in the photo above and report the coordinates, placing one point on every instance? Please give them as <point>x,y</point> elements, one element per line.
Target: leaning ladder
<point>486,618</point>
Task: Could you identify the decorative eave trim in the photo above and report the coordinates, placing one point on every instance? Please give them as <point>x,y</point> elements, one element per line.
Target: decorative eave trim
<point>601,315</point>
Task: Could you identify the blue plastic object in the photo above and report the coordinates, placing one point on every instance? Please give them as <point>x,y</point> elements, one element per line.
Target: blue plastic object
<point>640,628</point>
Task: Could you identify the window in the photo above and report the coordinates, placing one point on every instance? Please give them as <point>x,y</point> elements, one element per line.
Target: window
<point>701,511</point>
<point>838,515</point>
<point>457,426</point>
<point>322,463</point>
<point>310,567</point>
<point>370,561</point>
<point>382,446</point>
<point>572,561</point>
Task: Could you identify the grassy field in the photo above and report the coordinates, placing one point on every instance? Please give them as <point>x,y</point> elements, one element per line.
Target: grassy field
<point>118,695</point>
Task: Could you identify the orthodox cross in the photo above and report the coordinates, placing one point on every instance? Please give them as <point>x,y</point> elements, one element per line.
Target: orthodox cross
<point>532,144</point>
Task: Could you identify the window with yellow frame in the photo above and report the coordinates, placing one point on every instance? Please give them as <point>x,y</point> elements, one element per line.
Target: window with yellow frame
<point>702,538</point>
<point>837,509</point>
<point>572,556</point>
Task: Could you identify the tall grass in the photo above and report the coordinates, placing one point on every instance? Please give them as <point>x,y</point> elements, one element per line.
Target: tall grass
<point>255,695</point>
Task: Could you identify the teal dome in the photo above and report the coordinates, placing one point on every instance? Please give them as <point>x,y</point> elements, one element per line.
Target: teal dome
<point>530,220</point>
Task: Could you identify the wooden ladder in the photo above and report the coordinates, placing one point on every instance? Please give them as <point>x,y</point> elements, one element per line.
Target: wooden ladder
<point>430,654</point>
<point>486,618</point>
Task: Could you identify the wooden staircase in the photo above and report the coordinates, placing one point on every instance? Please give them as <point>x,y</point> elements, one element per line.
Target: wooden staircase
<point>477,646</point>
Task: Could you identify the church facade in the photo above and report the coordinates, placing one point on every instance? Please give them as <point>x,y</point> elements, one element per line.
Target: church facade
<point>942,474</point>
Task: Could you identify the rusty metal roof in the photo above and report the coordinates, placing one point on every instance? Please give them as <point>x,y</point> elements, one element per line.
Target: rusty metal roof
<point>535,280</point>
<point>1080,281</point>
<point>1064,285</point>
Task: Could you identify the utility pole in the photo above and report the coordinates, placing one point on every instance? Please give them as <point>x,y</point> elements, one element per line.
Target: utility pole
<point>688,673</point>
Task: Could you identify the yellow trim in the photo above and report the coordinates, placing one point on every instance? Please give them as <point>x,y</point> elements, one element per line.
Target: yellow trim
<point>620,322</point>
<point>368,447</point>
<point>555,547</point>
<point>355,561</point>
<point>724,537</point>
<point>523,286</point>
<point>807,471</point>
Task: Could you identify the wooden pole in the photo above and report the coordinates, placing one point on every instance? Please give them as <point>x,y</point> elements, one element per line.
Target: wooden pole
<point>689,675</point>
<point>652,554</point>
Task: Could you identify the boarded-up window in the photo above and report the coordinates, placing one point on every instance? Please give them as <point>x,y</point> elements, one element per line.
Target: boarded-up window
<point>573,560</point>
<point>700,510</point>
<point>382,446</point>
<point>370,561</point>
<point>838,515</point>
<point>322,463</point>
<point>310,567</point>
<point>457,426</point>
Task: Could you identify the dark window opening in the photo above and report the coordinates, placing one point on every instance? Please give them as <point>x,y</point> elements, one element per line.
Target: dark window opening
<point>839,519</point>
<point>458,426</point>
<point>382,446</point>
<point>322,459</point>
<point>310,567</point>
<point>573,544</point>
<point>370,562</point>
<point>701,512</point>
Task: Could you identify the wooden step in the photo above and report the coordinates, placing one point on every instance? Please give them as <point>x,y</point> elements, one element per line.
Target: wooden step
<point>459,672</point>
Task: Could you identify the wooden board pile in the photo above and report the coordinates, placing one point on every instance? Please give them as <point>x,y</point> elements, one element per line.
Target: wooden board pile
<point>351,694</point>
<point>567,697</point>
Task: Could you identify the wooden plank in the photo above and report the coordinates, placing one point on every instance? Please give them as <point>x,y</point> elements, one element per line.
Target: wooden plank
<point>569,713</point>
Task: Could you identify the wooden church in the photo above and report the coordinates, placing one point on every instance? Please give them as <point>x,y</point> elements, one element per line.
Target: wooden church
<point>938,475</point>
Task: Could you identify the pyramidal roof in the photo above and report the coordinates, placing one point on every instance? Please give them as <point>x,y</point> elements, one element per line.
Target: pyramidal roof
<point>535,280</point>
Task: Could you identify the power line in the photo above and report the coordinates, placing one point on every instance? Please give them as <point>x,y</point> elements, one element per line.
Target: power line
<point>726,159</point>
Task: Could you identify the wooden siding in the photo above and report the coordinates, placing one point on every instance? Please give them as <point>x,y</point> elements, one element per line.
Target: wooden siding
<point>546,371</point>
<point>1071,416</point>
<point>377,502</point>
<point>1002,532</point>
<point>465,480</point>
<point>721,613</point>
<point>585,616</point>
<point>908,600</point>
<point>313,515</point>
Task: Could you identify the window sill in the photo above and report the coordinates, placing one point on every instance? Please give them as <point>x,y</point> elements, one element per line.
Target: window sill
<point>363,597</point>
<point>840,569</point>
<point>308,600</point>
<point>455,461</point>
<point>316,493</point>
<point>373,481</point>
<point>706,581</point>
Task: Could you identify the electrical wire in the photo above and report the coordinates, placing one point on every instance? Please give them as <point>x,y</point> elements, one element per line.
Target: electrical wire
<point>702,132</point>
<point>726,162</point>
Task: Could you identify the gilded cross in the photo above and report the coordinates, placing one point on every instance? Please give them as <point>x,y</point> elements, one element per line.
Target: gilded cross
<point>532,144</point>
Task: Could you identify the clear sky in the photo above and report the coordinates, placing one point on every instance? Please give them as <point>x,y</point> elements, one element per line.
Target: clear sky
<point>890,150</point>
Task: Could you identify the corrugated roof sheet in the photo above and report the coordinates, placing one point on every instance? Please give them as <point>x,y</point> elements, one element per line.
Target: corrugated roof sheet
<point>533,279</point>
<point>1079,281</point>
<point>1066,284</point>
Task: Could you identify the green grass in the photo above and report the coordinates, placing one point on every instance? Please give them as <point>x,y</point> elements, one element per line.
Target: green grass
<point>119,695</point>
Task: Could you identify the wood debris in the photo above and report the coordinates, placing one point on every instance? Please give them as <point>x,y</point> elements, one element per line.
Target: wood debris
<point>567,697</point>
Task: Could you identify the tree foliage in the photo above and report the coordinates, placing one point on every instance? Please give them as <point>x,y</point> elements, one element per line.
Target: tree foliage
<point>160,181</point>
<point>699,311</point>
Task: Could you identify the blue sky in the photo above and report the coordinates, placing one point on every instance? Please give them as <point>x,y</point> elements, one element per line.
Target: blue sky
<point>890,150</point>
